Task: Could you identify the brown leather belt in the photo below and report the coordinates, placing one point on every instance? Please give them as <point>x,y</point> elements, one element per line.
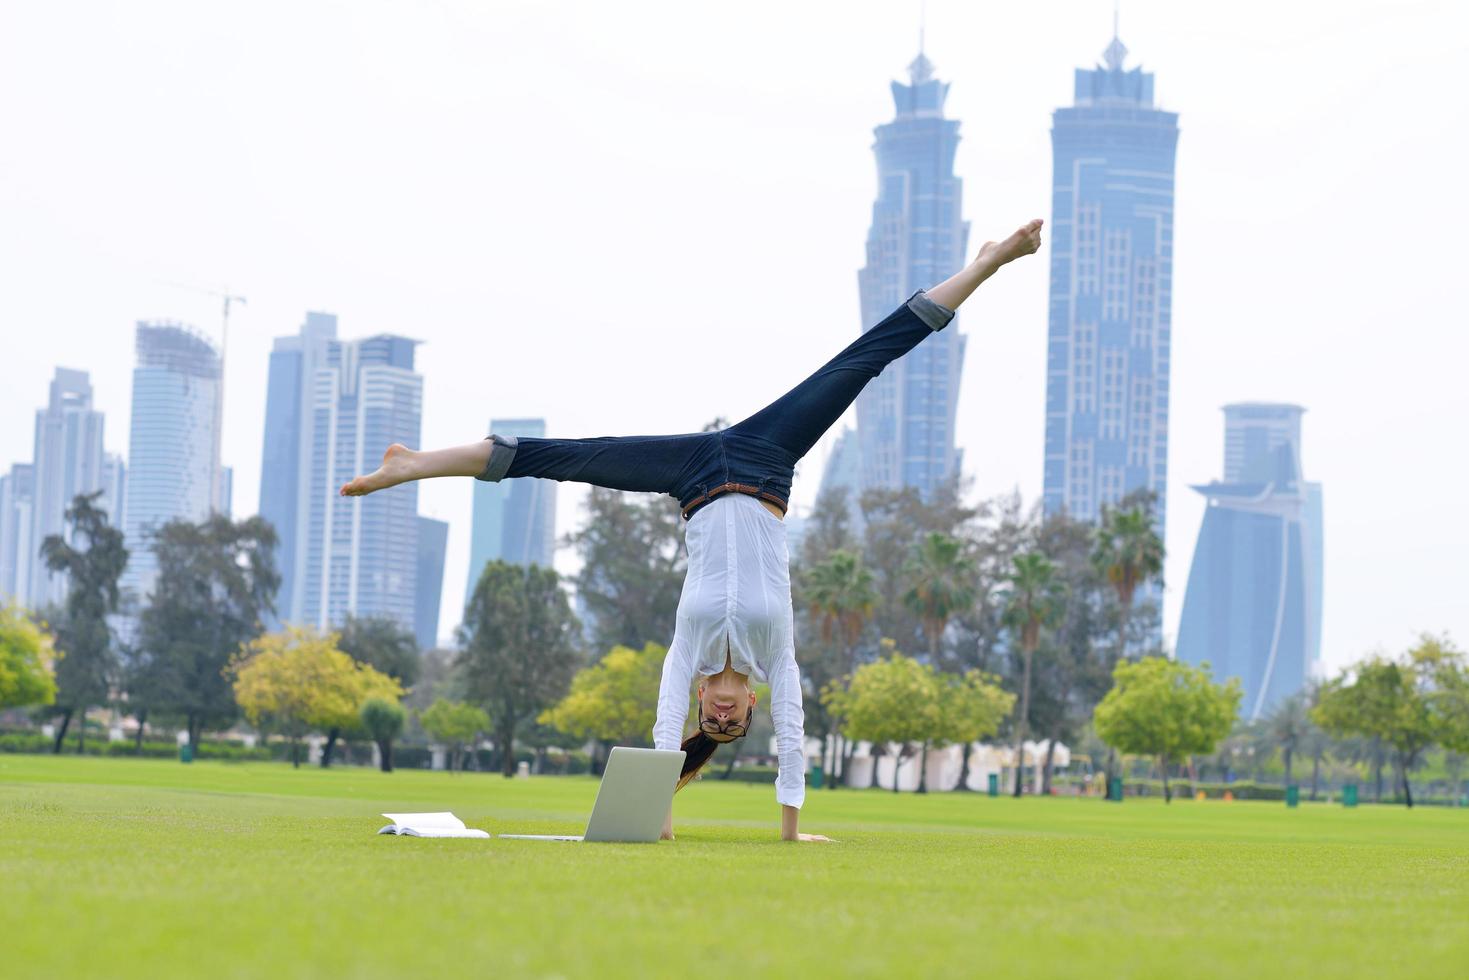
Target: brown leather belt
<point>720,491</point>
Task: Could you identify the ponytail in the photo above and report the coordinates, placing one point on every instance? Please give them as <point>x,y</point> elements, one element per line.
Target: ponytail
<point>698,748</point>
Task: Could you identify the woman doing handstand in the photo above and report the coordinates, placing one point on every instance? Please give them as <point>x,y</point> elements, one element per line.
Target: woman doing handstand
<point>734,616</point>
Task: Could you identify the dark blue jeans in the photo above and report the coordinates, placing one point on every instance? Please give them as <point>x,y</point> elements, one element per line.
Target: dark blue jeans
<point>757,456</point>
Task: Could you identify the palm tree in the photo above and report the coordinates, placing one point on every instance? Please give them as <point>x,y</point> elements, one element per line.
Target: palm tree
<point>840,594</point>
<point>1128,552</point>
<point>1033,599</point>
<point>1288,727</point>
<point>941,582</point>
<point>941,575</point>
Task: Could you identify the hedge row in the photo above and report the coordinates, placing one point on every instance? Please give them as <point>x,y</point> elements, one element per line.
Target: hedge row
<point>228,752</point>
<point>360,753</point>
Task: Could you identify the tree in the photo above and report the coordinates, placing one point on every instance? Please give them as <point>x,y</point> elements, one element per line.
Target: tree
<point>517,650</point>
<point>893,521</point>
<point>455,724</point>
<point>633,561</point>
<point>384,721</point>
<point>1074,670</point>
<point>894,700</point>
<point>1408,704</point>
<point>1289,727</point>
<point>26,656</point>
<point>384,644</point>
<point>298,680</point>
<point>339,712</point>
<point>971,706</point>
<point>941,582</point>
<point>216,582</point>
<point>1167,709</point>
<point>829,528</point>
<point>614,701</point>
<point>1129,553</point>
<point>92,557</point>
<point>838,594</point>
<point>1450,697</point>
<point>1003,532</point>
<point>1033,600</point>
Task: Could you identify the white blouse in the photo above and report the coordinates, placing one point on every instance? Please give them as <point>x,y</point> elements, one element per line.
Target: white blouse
<point>737,598</point>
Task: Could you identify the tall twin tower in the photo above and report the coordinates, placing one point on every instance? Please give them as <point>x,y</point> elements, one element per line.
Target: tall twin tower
<point>1111,252</point>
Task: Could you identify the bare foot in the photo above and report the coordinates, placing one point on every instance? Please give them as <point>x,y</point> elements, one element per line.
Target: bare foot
<point>1026,240</point>
<point>397,468</point>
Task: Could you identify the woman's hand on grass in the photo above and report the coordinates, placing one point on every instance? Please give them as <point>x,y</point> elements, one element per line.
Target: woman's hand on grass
<point>790,817</point>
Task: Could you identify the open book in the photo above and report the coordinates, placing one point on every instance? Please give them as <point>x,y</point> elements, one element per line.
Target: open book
<point>428,825</point>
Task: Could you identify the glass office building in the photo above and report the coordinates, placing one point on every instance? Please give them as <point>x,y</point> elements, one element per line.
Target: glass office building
<point>514,520</point>
<point>285,462</point>
<point>1110,323</point>
<point>68,461</point>
<point>433,540</point>
<point>906,416</point>
<point>173,449</point>
<point>1253,605</point>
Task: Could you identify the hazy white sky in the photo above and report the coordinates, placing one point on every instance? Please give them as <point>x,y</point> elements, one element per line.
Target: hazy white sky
<point>567,200</point>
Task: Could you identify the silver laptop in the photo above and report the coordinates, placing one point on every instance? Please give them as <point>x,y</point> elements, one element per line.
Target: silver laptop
<point>636,792</point>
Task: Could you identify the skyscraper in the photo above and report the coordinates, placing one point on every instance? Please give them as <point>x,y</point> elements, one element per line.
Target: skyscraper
<point>68,462</point>
<point>515,520</point>
<point>172,454</point>
<point>114,489</point>
<point>17,492</point>
<point>226,500</point>
<point>285,465</point>
<point>843,471</point>
<point>1253,605</point>
<point>360,553</point>
<point>433,539</point>
<point>1111,292</point>
<point>905,418</point>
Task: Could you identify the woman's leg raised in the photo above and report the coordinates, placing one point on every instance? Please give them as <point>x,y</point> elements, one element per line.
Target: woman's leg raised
<point>641,463</point>
<point>798,418</point>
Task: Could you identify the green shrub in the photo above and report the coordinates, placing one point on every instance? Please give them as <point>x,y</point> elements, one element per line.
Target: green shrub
<point>37,743</point>
<point>19,742</point>
<point>744,774</point>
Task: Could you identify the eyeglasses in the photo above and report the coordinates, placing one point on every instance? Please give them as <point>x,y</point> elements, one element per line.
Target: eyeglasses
<point>734,729</point>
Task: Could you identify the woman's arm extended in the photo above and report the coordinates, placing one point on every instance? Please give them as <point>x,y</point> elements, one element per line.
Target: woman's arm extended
<point>673,707</point>
<point>957,288</point>
<point>790,738</point>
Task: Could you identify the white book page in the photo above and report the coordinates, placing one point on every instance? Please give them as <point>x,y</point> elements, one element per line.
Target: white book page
<point>442,824</point>
<point>421,821</point>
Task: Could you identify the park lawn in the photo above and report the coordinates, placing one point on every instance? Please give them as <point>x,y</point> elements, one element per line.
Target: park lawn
<point>122,868</point>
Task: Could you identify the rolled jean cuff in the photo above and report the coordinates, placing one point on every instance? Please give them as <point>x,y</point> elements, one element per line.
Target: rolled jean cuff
<point>937,317</point>
<point>502,453</point>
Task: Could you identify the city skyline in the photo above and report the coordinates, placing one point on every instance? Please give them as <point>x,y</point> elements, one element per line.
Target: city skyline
<point>706,198</point>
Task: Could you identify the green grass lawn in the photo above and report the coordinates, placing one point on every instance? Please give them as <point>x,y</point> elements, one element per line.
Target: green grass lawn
<point>119,868</point>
